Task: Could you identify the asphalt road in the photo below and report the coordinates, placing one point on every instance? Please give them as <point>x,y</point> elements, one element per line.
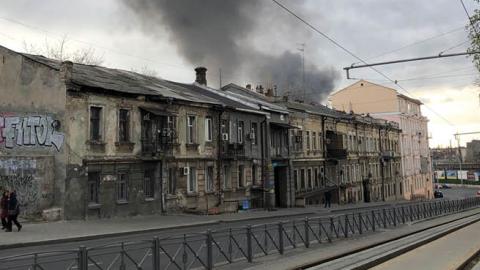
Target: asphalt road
<point>456,193</point>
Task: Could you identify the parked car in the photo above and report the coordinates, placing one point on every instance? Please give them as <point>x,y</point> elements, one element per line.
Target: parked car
<point>446,186</point>
<point>437,194</point>
<point>478,193</point>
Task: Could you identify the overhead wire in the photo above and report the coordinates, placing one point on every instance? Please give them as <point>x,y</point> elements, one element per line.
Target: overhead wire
<point>355,56</point>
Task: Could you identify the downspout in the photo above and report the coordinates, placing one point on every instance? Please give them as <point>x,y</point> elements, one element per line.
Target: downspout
<point>381,162</point>
<point>219,158</point>
<point>262,134</point>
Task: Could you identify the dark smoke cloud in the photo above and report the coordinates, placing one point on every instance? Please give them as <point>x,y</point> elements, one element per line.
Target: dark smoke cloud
<point>220,34</point>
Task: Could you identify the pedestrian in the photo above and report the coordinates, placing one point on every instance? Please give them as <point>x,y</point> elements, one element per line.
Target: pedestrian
<point>4,209</point>
<point>13,211</point>
<point>328,199</point>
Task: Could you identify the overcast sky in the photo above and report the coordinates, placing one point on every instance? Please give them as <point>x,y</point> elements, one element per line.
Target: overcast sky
<point>260,36</point>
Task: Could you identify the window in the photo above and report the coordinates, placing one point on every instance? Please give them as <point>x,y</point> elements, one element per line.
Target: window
<point>93,186</point>
<point>302,179</point>
<point>172,180</point>
<point>308,139</point>
<point>309,178</point>
<point>192,180</point>
<point>240,132</point>
<point>209,176</point>
<point>191,136</point>
<point>95,121</point>
<point>295,179</point>
<point>208,129</point>
<point>241,180</point>
<point>122,179</point>
<point>149,183</point>
<point>123,125</point>
<point>254,175</point>
<point>315,176</point>
<point>226,177</point>
<point>314,140</point>
<point>172,127</point>
<point>254,133</point>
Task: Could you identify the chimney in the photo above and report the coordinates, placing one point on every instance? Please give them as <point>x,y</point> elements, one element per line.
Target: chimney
<point>249,86</point>
<point>269,92</point>
<point>201,73</point>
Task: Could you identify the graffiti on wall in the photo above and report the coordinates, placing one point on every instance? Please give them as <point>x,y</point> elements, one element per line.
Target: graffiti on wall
<point>19,175</point>
<point>37,130</point>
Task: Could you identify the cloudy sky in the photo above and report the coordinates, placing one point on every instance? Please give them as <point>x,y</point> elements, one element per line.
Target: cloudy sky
<point>255,41</point>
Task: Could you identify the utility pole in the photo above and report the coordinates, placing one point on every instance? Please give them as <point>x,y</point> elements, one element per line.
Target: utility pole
<point>459,157</point>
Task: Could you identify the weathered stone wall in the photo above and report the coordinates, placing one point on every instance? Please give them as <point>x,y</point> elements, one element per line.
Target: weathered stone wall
<point>32,131</point>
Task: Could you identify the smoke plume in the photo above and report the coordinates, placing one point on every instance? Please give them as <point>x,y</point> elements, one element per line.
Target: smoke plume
<point>220,34</point>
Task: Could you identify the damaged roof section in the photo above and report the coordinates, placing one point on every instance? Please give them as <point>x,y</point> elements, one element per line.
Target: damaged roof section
<point>123,81</point>
<point>250,98</point>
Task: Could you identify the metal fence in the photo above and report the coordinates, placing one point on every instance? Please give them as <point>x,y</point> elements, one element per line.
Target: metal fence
<point>219,247</point>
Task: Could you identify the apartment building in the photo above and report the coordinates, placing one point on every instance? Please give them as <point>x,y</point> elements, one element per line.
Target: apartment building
<point>378,101</point>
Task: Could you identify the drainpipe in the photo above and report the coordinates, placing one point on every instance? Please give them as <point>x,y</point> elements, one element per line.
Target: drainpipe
<point>262,133</point>
<point>219,158</point>
<point>381,163</point>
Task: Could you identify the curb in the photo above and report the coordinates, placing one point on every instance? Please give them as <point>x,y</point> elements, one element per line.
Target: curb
<point>114,234</point>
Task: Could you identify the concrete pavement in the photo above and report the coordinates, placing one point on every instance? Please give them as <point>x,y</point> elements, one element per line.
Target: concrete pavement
<point>65,231</point>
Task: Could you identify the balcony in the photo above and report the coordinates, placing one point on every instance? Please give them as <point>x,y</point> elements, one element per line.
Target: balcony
<point>388,154</point>
<point>157,147</point>
<point>337,153</point>
<point>232,150</point>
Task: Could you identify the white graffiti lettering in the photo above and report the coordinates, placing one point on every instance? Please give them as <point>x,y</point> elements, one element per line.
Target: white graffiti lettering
<point>35,130</point>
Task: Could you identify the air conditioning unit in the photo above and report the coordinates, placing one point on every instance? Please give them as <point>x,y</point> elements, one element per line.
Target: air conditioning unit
<point>251,136</point>
<point>186,170</point>
<point>225,136</point>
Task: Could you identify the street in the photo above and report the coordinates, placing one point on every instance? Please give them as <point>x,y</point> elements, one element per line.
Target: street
<point>458,193</point>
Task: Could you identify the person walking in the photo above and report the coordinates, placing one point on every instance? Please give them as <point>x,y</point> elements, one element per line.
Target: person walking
<point>13,211</point>
<point>328,199</point>
<point>4,209</point>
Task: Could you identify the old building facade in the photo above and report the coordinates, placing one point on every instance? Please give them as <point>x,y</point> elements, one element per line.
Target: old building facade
<point>386,103</point>
<point>88,142</point>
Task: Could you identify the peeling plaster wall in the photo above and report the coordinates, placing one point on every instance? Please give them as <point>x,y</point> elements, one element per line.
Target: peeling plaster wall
<point>32,109</point>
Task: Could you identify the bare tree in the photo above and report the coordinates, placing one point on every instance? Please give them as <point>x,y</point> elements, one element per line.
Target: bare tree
<point>59,51</point>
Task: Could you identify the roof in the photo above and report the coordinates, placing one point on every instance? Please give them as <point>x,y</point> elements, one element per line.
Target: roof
<point>313,109</point>
<point>225,98</point>
<point>124,81</point>
<point>252,98</point>
<point>417,101</point>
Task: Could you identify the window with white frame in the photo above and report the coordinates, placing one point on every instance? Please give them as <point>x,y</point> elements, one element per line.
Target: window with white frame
<point>208,129</point>
<point>254,131</point>
<point>240,129</point>
<point>191,126</point>
<point>95,123</point>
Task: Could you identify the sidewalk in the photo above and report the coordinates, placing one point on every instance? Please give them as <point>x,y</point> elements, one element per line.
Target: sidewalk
<point>64,231</point>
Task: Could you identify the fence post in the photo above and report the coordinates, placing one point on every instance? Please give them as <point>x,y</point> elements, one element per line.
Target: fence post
<point>122,258</point>
<point>82,258</point>
<point>384,218</point>
<point>35,261</point>
<point>373,220</point>
<point>360,219</point>
<point>249,244</point>
<point>394,217</point>
<point>307,234</point>
<point>185,254</point>
<point>345,228</point>
<point>332,226</point>
<point>156,253</point>
<point>209,243</point>
<point>411,213</point>
<point>403,214</point>
<point>280,238</point>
